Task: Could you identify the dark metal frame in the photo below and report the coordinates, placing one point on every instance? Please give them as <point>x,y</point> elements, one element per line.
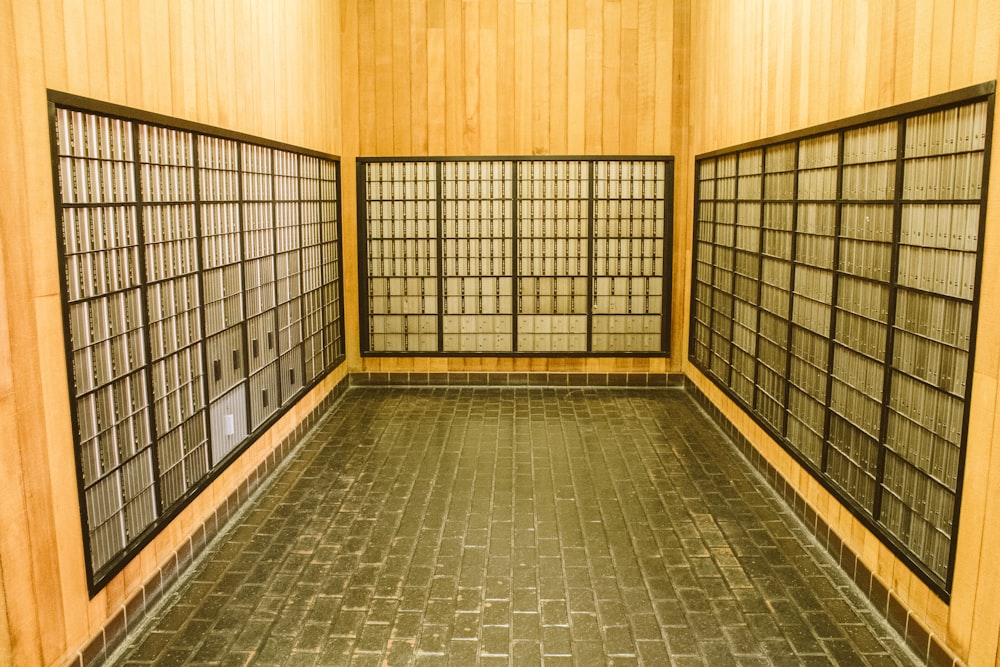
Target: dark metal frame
<point>984,92</point>
<point>96,580</point>
<point>667,239</point>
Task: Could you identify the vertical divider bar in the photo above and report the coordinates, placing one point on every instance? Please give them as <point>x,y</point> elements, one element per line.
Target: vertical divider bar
<point>244,323</point>
<point>592,246</point>
<point>241,231</point>
<point>890,331</point>
<point>728,380</point>
<point>514,268</point>
<point>338,228</point>
<point>790,325</point>
<point>439,238</point>
<point>835,270</point>
<point>297,233</point>
<point>364,272</point>
<point>696,242</point>
<point>302,288</point>
<point>200,255</point>
<point>666,310</point>
<point>791,282</point>
<point>831,346</point>
<point>709,285</point>
<point>144,315</point>
<point>760,280</point>
<point>274,276</point>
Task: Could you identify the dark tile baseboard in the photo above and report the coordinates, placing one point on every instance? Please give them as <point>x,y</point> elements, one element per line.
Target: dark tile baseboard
<point>928,647</point>
<point>453,379</point>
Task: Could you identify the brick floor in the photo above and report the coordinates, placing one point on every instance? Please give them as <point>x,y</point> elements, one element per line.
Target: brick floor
<point>515,526</point>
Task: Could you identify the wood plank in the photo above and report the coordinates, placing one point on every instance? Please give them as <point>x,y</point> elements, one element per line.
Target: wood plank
<point>852,78</point>
<point>454,78</point>
<point>558,80</point>
<point>382,111</point>
<point>646,81</point>
<point>628,101</point>
<point>269,86</point>
<point>160,15</point>
<point>576,91</point>
<point>923,18</point>
<point>176,58</point>
<point>399,53</point>
<point>961,58</point>
<point>985,477</point>
<point>798,69</point>
<point>877,28</point>
<point>28,272</point>
<point>523,61</point>
<point>54,39</point>
<point>940,51</point>
<point>987,44</point>
<point>6,650</point>
<point>209,68</point>
<point>819,30</point>
<point>114,33</point>
<point>488,75</point>
<point>366,99</point>
<point>541,77</point>
<point>612,68</point>
<point>20,617</point>
<point>887,62</point>
<point>593,132</point>
<point>349,54</point>
<point>506,48</point>
<point>770,92</point>
<point>77,64</point>
<point>672,95</point>
<point>437,133</point>
<point>418,121</point>
<point>471,127</point>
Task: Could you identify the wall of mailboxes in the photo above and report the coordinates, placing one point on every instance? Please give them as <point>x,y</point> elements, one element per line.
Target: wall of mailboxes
<point>834,297</point>
<point>515,255</point>
<point>202,289</point>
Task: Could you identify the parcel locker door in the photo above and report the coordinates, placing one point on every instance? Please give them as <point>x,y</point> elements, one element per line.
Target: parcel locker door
<point>264,395</point>
<point>224,353</point>
<point>229,423</point>
<point>262,339</point>
<point>291,374</point>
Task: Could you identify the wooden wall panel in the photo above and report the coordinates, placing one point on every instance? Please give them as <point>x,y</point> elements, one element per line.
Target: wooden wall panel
<point>761,69</point>
<point>506,77</point>
<point>270,68</point>
<point>459,68</point>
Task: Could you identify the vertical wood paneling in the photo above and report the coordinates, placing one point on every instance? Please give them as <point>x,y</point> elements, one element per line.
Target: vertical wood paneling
<point>263,67</point>
<point>546,77</point>
<point>418,52</point>
<point>822,61</point>
<point>646,80</point>
<point>516,77</point>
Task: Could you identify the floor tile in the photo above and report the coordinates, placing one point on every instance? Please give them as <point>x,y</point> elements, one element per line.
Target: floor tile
<point>515,526</point>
